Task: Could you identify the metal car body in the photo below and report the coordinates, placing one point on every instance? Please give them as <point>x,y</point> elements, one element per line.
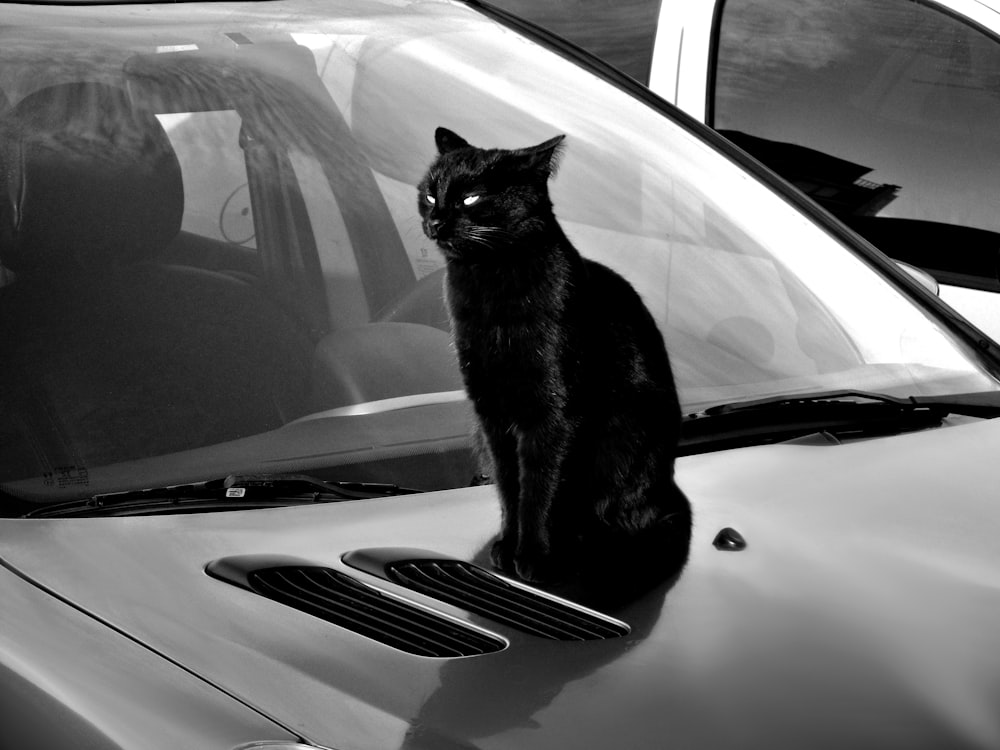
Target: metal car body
<point>235,455</point>
<point>861,613</point>
<point>880,111</point>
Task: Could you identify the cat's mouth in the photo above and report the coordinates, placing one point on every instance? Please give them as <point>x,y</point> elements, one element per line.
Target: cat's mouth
<point>448,247</point>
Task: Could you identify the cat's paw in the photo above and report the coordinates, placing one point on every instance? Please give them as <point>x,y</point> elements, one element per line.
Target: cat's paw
<point>502,555</point>
<point>531,571</point>
<point>538,568</point>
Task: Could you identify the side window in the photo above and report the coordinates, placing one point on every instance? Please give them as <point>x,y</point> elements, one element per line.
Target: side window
<point>883,111</point>
<point>216,196</point>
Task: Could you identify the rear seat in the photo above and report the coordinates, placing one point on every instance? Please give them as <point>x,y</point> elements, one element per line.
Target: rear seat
<point>109,355</point>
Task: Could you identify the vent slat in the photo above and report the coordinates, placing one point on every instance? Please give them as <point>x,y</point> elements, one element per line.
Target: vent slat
<point>360,610</point>
<point>346,614</point>
<point>409,619</point>
<point>483,593</point>
<point>338,598</point>
<point>467,597</point>
<point>557,614</point>
<point>515,605</point>
<point>486,599</point>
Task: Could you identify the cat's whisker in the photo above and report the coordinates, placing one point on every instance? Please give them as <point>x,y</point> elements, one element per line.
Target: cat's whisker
<point>491,237</point>
<point>478,241</point>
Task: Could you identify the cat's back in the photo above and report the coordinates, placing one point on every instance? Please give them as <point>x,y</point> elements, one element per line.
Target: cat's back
<point>623,395</point>
<point>611,313</point>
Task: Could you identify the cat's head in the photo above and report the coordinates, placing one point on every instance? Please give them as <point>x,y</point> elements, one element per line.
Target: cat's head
<point>478,202</point>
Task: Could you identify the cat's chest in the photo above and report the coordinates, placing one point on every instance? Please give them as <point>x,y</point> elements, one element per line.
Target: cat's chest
<point>520,342</point>
<point>514,342</point>
<point>505,320</point>
<point>523,296</point>
<point>510,371</point>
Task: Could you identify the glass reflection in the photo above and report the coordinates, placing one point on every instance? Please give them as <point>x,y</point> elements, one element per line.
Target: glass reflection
<point>874,108</point>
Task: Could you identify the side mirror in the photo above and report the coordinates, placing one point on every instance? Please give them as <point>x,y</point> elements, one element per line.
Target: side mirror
<point>923,278</point>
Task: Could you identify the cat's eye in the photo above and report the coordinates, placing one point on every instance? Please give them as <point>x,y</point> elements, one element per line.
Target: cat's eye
<point>430,199</point>
<point>471,200</point>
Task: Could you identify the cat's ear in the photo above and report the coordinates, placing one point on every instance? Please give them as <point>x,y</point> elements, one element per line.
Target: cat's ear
<point>447,140</point>
<point>543,158</point>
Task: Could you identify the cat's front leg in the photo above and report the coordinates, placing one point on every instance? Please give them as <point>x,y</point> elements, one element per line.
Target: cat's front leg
<point>541,452</point>
<point>500,449</point>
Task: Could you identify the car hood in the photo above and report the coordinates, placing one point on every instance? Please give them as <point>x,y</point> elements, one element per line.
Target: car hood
<point>863,611</point>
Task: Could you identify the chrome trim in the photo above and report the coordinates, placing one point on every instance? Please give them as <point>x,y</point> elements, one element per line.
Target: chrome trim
<point>387,404</point>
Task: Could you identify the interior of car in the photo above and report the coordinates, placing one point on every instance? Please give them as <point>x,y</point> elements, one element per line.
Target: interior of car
<point>127,337</point>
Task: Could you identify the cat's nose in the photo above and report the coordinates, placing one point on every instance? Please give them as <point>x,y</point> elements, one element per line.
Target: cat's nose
<point>433,228</point>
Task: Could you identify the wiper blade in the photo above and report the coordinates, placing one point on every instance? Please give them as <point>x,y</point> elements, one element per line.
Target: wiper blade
<point>805,400</point>
<point>232,492</point>
<point>984,404</point>
<point>844,413</point>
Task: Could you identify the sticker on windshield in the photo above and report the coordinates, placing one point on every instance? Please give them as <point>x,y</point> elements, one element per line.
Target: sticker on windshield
<point>66,476</point>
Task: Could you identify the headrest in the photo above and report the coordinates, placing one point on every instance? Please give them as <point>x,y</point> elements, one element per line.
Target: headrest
<point>89,182</point>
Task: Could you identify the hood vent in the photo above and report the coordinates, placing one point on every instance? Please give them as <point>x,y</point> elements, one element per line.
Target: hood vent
<point>338,598</point>
<point>481,592</point>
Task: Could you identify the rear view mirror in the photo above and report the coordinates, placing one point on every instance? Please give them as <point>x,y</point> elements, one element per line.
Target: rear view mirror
<point>923,278</point>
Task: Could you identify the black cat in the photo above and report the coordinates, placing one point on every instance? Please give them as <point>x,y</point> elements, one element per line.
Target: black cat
<point>566,368</point>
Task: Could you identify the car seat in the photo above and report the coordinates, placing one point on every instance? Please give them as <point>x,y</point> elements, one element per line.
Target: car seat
<point>108,355</point>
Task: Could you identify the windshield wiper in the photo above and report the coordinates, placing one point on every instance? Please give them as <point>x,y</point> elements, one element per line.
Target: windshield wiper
<point>237,491</point>
<point>842,413</point>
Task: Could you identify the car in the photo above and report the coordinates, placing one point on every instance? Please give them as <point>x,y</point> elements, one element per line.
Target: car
<point>240,503</point>
<point>879,111</point>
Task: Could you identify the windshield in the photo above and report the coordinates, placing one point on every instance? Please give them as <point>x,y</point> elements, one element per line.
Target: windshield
<point>212,260</point>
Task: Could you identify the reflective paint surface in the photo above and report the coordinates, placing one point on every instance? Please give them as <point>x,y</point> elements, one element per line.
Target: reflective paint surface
<point>864,604</point>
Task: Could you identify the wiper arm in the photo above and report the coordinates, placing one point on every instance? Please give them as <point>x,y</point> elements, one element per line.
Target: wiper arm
<point>842,412</point>
<point>232,492</point>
